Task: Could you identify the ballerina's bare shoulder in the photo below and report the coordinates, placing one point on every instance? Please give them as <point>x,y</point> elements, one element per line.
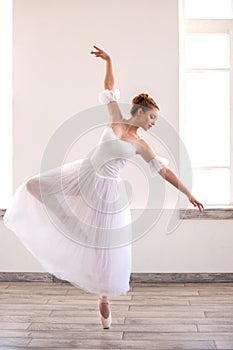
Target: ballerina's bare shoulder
<point>141,146</point>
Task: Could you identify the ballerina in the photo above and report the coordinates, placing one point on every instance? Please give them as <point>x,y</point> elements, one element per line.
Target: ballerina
<point>144,114</point>
<point>76,220</point>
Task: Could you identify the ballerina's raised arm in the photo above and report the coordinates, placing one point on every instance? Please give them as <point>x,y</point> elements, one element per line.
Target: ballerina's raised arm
<point>109,85</point>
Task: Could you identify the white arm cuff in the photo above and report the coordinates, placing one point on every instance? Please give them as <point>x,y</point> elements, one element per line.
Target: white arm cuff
<point>156,164</point>
<point>107,96</point>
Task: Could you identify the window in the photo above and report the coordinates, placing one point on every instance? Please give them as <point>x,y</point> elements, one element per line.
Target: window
<point>208,9</point>
<point>6,101</point>
<point>206,81</point>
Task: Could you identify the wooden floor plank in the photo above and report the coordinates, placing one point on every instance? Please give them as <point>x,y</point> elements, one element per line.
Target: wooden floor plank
<point>124,344</point>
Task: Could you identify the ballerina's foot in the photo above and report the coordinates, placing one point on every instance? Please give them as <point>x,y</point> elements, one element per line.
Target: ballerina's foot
<point>105,313</point>
<point>104,310</point>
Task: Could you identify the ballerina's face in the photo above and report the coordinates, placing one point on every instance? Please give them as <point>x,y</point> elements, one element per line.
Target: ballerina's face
<point>149,118</point>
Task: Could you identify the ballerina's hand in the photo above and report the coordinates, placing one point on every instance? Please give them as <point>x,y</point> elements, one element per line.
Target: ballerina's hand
<point>100,53</point>
<point>196,203</point>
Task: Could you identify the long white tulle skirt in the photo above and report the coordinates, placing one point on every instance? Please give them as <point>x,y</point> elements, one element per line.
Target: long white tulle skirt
<point>77,224</point>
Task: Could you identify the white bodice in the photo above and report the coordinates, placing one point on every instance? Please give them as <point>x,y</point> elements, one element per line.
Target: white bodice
<point>111,154</point>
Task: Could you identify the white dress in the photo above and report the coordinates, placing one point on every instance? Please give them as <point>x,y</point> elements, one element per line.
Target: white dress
<point>76,219</point>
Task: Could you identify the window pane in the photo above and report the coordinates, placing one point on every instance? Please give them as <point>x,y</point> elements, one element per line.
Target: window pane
<point>212,186</point>
<point>207,118</point>
<point>208,9</point>
<point>207,51</point>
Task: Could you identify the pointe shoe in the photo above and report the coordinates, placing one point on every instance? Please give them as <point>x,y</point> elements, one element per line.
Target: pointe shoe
<point>106,322</point>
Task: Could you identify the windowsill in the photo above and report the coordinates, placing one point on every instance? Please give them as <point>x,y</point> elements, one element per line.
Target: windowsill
<point>210,213</point>
<point>220,212</point>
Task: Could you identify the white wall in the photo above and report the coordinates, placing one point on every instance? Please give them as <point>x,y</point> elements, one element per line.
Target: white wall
<point>55,77</point>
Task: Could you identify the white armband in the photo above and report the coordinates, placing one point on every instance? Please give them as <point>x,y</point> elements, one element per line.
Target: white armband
<point>156,164</point>
<point>107,96</point>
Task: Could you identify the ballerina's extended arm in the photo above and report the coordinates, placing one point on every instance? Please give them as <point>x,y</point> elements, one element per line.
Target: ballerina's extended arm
<point>171,177</point>
<point>109,85</point>
<point>157,166</point>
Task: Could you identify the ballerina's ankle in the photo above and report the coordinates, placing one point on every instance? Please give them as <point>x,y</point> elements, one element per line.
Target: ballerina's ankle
<point>103,299</point>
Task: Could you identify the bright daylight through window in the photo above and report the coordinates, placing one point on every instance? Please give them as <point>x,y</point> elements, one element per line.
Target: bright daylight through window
<point>206,96</point>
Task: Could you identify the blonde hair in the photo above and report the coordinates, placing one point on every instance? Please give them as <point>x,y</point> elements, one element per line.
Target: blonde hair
<point>143,101</point>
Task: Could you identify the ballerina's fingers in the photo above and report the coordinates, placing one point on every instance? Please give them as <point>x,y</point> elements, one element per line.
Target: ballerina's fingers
<point>196,203</point>
<point>97,52</point>
<point>200,206</point>
<point>97,48</point>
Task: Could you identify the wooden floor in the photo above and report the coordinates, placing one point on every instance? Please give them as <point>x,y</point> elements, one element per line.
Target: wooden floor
<point>41,315</point>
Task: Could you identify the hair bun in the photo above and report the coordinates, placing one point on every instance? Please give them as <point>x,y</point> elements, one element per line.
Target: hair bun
<point>142,100</point>
<point>139,98</point>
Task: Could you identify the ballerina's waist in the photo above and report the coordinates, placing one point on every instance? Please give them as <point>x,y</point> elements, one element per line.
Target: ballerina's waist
<point>118,178</point>
<point>106,171</point>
